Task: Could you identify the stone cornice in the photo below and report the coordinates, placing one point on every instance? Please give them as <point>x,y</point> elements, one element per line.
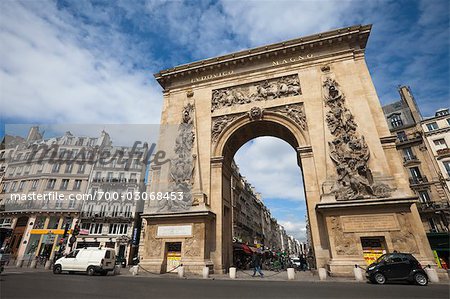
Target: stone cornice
<point>357,35</point>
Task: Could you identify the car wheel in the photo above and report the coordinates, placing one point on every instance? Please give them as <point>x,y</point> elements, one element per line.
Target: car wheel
<point>421,279</point>
<point>90,271</point>
<point>380,278</point>
<point>57,269</point>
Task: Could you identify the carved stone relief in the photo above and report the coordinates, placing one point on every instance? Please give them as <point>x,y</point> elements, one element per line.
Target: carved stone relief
<point>345,243</point>
<point>295,112</point>
<point>254,92</point>
<point>193,244</point>
<point>255,113</point>
<point>404,240</point>
<point>182,165</point>
<point>349,151</point>
<point>154,244</point>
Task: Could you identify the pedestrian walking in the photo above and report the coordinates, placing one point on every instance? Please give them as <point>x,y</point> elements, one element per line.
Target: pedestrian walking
<point>256,260</point>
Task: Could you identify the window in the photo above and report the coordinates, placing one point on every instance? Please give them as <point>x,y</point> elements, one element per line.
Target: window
<point>408,154</point>
<point>81,168</point>
<point>19,170</point>
<point>5,187</point>
<point>396,121</point>
<point>18,157</point>
<point>110,176</point>
<point>415,172</point>
<point>72,203</point>
<point>21,184</point>
<point>433,226</point>
<point>432,126</point>
<point>402,136</point>
<point>440,143</point>
<point>121,177</point>
<point>51,184</point>
<point>27,169</point>
<point>34,184</point>
<point>424,197</point>
<point>73,254</point>
<point>96,228</point>
<point>77,185</point>
<point>80,141</point>
<point>56,167</point>
<point>64,184</point>
<point>118,229</point>
<point>13,186</point>
<point>69,168</point>
<point>40,167</point>
<point>447,167</point>
<point>58,204</point>
<point>4,222</point>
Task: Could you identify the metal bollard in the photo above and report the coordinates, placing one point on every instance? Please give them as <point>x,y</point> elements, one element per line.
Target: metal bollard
<point>181,271</point>
<point>205,272</point>
<point>134,270</point>
<point>232,272</point>
<point>116,270</point>
<point>291,273</point>
<point>322,273</point>
<point>33,263</point>
<point>19,263</point>
<point>358,273</point>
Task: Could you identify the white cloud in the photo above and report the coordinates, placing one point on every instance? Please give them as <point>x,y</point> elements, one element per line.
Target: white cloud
<point>48,75</point>
<point>270,165</point>
<point>296,228</point>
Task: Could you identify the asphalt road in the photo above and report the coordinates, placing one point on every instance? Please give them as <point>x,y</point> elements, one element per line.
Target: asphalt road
<point>47,285</point>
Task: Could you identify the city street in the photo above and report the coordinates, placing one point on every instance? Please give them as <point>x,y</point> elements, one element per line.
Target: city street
<point>47,285</point>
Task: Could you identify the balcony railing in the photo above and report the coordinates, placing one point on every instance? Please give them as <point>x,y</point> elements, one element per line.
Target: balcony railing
<point>418,180</point>
<point>113,180</point>
<point>100,214</point>
<point>411,158</point>
<point>433,206</point>
<point>443,151</point>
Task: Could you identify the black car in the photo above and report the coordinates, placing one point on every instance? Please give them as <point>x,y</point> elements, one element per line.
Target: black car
<point>397,267</point>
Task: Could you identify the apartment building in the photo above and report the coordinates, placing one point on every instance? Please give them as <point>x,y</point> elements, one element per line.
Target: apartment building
<point>422,145</point>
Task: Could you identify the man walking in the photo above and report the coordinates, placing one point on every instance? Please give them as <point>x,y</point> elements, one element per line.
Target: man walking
<point>256,260</point>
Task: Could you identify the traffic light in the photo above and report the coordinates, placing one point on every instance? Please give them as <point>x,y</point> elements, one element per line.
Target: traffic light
<point>76,229</point>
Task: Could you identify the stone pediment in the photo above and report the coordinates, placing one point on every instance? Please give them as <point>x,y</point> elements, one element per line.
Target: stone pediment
<point>304,49</point>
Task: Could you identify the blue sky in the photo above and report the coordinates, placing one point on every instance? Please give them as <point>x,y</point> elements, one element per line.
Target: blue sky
<point>92,62</point>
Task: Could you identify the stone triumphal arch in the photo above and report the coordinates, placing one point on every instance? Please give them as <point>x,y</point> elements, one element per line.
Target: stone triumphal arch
<point>315,93</point>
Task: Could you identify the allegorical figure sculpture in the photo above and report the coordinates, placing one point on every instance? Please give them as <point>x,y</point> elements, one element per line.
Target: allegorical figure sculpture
<point>348,150</point>
<point>182,165</point>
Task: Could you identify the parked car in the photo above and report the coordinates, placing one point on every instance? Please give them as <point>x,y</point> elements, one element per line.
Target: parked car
<point>89,260</point>
<point>296,262</point>
<point>397,267</point>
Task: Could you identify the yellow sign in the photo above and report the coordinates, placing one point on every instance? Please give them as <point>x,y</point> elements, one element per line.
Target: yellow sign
<point>173,260</point>
<point>49,231</point>
<point>371,255</point>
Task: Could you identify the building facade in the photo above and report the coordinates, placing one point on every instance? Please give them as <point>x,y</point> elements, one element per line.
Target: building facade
<point>53,185</point>
<point>419,152</point>
<point>253,223</point>
<point>111,218</point>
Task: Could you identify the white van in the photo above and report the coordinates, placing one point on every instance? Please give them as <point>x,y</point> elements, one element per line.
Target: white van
<point>90,260</point>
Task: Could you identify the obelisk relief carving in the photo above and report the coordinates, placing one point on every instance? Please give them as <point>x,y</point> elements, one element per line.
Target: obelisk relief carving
<point>182,165</point>
<point>348,150</point>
